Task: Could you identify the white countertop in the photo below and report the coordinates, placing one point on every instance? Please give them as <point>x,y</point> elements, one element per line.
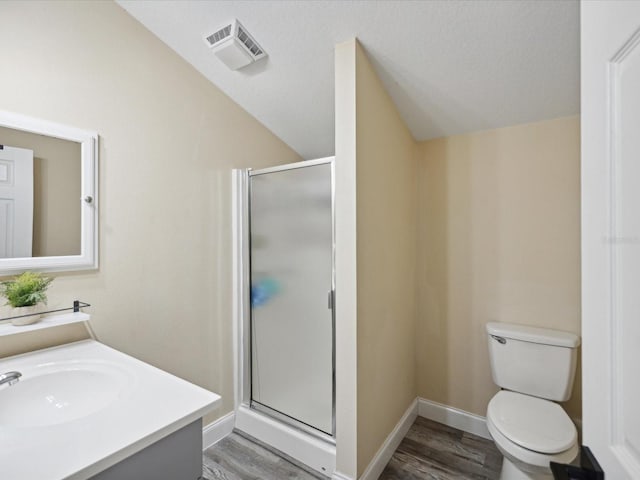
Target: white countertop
<point>149,405</point>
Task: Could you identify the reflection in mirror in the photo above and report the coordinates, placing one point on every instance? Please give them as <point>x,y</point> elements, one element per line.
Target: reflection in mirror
<point>39,195</point>
<point>48,196</point>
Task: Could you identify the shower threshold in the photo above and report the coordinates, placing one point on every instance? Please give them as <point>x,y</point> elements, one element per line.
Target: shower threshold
<point>293,422</point>
<point>314,449</point>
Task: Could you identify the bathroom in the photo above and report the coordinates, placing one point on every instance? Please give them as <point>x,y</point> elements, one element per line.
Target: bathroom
<point>485,225</point>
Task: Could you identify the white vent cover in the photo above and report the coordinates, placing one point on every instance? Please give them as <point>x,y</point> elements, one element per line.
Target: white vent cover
<point>234,46</point>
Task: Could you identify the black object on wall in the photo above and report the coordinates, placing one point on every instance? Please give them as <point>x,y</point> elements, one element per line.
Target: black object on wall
<point>589,468</point>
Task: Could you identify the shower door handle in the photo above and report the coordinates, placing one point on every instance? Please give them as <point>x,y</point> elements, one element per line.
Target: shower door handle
<point>330,300</point>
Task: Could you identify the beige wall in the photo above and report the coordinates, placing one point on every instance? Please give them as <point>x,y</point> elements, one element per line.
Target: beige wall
<point>168,142</point>
<point>499,238</point>
<point>386,171</point>
<point>56,191</point>
<point>376,188</point>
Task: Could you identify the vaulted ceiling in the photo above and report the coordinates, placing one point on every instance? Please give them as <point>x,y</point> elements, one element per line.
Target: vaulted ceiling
<point>450,66</point>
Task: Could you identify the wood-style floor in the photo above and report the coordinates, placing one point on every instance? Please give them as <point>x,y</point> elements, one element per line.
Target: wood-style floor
<point>239,457</point>
<point>434,451</point>
<point>429,451</point>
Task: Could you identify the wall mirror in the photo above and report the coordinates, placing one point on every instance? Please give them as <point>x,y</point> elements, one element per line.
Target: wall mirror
<point>48,196</point>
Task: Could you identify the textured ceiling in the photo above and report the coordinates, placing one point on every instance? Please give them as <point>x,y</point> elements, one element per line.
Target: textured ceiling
<point>450,66</point>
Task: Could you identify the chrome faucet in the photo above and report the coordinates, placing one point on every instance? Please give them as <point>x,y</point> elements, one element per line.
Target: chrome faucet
<point>10,378</point>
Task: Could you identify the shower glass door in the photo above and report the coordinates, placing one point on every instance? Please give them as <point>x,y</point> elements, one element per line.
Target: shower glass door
<point>291,270</point>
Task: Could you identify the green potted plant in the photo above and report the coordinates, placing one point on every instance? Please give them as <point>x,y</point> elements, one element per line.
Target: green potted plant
<point>23,294</point>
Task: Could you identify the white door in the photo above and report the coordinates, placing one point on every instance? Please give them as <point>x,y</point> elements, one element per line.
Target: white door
<point>16,202</point>
<point>610,44</point>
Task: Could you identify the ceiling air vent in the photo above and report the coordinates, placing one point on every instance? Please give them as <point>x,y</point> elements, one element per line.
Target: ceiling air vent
<point>218,36</point>
<point>235,46</point>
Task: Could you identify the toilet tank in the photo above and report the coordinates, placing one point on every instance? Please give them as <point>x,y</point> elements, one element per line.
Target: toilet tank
<point>534,361</point>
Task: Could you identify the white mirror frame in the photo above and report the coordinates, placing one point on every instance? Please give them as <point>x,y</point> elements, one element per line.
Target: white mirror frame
<point>88,258</point>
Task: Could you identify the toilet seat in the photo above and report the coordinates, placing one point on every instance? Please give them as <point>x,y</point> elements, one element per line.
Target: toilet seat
<point>528,460</point>
<point>532,423</point>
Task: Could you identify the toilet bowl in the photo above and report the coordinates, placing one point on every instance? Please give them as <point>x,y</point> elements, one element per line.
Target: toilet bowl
<point>535,367</point>
<point>530,433</point>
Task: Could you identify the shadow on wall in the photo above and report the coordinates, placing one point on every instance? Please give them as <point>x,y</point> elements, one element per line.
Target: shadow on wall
<point>458,243</point>
<point>573,406</point>
<point>433,274</point>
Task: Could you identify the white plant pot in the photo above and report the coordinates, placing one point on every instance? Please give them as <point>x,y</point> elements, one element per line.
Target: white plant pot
<point>34,315</point>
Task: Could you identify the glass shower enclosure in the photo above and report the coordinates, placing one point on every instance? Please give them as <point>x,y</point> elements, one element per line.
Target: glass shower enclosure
<point>291,295</point>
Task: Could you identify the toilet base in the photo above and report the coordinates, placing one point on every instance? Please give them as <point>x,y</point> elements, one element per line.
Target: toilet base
<point>511,472</point>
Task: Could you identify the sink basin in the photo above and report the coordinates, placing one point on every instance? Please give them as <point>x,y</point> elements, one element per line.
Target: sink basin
<point>84,407</point>
<point>60,392</point>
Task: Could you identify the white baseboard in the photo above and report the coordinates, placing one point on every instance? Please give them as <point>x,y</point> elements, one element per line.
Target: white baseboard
<point>218,429</point>
<point>383,455</point>
<point>453,417</point>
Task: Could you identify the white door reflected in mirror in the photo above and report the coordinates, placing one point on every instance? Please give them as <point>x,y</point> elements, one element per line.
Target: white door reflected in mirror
<point>16,202</point>
<point>56,192</point>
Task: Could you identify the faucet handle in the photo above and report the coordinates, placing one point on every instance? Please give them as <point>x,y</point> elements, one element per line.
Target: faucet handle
<point>10,377</point>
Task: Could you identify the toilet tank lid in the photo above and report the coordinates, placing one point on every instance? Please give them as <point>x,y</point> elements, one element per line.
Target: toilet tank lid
<point>525,333</point>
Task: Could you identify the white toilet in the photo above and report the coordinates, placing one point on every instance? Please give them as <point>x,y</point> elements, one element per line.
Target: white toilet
<point>535,367</point>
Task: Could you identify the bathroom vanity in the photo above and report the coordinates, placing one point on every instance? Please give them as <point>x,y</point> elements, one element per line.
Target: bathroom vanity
<point>84,410</point>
